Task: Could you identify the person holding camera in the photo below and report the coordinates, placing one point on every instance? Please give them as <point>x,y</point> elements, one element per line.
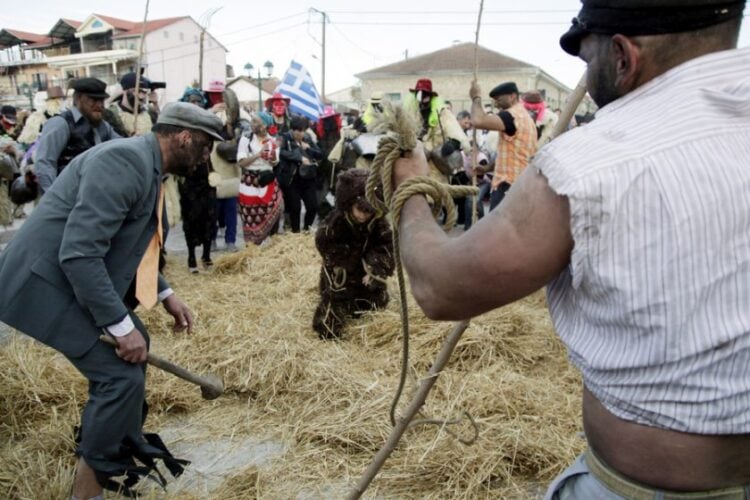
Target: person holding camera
<point>297,171</point>
<point>261,201</point>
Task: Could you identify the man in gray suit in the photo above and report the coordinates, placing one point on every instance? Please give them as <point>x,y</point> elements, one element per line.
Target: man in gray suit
<point>66,273</point>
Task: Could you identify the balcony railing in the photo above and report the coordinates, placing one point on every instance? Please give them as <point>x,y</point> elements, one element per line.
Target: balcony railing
<point>22,62</point>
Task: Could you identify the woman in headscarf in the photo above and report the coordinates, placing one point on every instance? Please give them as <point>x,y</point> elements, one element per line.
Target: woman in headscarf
<point>261,203</point>
<point>197,201</point>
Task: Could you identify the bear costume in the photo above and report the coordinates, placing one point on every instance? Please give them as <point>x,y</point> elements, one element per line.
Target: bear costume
<point>357,258</point>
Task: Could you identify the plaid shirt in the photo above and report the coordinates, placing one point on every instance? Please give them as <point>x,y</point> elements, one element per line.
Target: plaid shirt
<point>514,151</point>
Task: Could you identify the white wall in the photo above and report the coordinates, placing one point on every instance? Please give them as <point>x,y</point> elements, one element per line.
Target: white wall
<point>173,57</point>
<point>247,92</point>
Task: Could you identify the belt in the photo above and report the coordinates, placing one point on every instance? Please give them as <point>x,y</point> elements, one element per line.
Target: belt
<point>631,490</point>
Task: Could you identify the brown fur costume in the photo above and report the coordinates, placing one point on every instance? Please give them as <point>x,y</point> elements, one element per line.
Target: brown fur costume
<point>351,251</point>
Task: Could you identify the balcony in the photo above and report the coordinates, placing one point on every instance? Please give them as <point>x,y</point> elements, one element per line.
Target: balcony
<point>88,59</point>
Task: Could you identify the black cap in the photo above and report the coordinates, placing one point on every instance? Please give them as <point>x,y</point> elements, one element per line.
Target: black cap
<point>504,89</point>
<point>9,113</point>
<point>92,87</point>
<point>128,82</point>
<point>646,17</point>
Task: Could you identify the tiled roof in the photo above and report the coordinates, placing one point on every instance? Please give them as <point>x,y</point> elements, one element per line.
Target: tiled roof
<point>150,26</point>
<point>64,28</point>
<point>71,22</point>
<point>459,57</point>
<point>25,36</point>
<point>120,24</point>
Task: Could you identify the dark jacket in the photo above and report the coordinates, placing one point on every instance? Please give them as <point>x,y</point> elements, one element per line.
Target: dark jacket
<point>66,271</point>
<point>290,157</point>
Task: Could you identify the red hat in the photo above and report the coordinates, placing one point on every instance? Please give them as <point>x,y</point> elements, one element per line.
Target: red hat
<point>424,85</point>
<point>277,97</point>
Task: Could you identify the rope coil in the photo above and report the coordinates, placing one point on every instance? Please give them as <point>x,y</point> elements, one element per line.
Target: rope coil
<point>400,137</point>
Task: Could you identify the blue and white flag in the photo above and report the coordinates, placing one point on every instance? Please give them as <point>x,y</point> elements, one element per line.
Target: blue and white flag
<point>298,86</point>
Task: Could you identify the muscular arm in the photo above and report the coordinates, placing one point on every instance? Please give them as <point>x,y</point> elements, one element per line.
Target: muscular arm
<point>55,135</point>
<point>514,251</point>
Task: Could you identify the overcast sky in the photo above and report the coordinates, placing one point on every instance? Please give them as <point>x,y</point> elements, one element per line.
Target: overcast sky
<point>359,35</point>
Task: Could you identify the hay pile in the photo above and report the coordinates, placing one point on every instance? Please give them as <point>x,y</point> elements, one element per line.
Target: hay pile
<point>324,403</point>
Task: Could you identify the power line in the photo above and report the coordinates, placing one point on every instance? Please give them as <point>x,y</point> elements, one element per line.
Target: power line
<point>444,12</point>
<point>371,54</point>
<point>538,23</point>
<point>273,21</point>
<point>189,54</point>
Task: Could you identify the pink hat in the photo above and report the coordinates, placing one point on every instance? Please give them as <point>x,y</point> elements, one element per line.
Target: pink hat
<point>328,111</point>
<point>215,86</point>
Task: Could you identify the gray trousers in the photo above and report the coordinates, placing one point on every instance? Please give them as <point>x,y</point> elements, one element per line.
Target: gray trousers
<point>116,408</point>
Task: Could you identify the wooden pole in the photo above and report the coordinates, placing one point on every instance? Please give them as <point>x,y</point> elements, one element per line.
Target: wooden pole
<point>416,403</point>
<point>200,60</point>
<point>569,109</point>
<point>475,147</point>
<point>138,70</point>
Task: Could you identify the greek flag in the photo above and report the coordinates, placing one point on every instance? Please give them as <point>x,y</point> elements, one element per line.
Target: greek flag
<point>298,86</point>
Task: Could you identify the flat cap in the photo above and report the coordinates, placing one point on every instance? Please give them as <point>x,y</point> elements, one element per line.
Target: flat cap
<point>92,87</point>
<point>183,114</point>
<point>646,17</point>
<point>504,89</point>
<point>128,82</point>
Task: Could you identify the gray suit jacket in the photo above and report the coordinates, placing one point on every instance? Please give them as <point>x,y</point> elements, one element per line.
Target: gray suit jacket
<point>66,271</point>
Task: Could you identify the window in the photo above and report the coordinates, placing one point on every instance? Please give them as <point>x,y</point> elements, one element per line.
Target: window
<point>40,81</point>
<point>394,97</point>
<point>195,38</point>
<point>182,36</point>
<point>166,34</point>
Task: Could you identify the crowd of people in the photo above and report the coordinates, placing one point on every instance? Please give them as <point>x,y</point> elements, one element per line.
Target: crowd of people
<point>274,170</point>
<point>647,273</point>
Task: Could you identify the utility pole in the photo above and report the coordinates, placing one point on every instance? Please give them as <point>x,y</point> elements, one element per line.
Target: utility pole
<point>200,61</point>
<point>323,56</point>
<point>204,21</point>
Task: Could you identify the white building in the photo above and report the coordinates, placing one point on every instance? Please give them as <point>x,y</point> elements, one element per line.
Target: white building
<point>246,89</point>
<point>171,52</point>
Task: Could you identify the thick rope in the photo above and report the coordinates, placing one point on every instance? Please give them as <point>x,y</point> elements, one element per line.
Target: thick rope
<point>401,138</point>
